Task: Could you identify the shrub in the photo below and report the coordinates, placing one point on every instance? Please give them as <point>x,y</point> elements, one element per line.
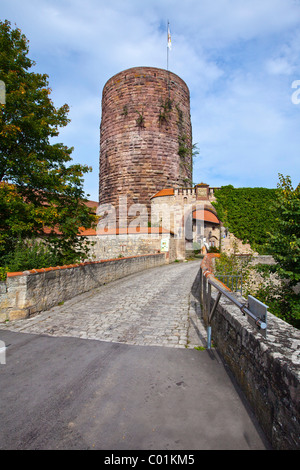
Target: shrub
<point>29,255</point>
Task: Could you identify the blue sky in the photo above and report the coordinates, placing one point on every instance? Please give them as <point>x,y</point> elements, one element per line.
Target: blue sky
<point>239,59</point>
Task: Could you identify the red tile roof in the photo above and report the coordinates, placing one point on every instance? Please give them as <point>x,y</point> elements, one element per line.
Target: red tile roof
<point>205,215</point>
<point>164,192</point>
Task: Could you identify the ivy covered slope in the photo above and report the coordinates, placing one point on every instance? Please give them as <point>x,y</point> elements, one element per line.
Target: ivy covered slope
<point>248,213</point>
<point>270,220</point>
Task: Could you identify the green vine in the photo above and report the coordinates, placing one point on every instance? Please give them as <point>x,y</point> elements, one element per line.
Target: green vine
<point>140,121</point>
<point>125,111</point>
<point>180,117</point>
<point>186,152</point>
<point>165,109</point>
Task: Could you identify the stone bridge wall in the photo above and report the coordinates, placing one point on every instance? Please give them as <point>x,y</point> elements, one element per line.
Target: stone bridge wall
<point>267,369</point>
<point>29,292</point>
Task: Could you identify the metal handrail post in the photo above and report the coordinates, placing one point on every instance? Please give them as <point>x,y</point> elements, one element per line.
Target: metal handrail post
<point>204,284</point>
<point>208,300</point>
<point>200,283</point>
<point>210,318</point>
<point>262,325</point>
<point>205,297</point>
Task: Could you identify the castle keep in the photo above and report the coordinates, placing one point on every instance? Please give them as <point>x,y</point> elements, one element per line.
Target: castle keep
<point>146,160</point>
<point>145,135</point>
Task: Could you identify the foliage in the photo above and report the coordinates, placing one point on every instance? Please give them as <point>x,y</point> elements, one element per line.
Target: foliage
<point>40,191</point>
<point>125,111</point>
<point>247,213</point>
<point>281,299</point>
<point>279,237</point>
<point>213,249</point>
<point>283,296</point>
<point>3,273</point>
<point>233,264</point>
<point>284,239</point>
<point>165,109</point>
<point>140,121</point>
<point>30,255</point>
<point>186,151</point>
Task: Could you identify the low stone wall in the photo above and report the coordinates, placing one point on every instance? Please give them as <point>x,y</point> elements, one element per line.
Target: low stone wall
<point>36,290</point>
<point>266,368</point>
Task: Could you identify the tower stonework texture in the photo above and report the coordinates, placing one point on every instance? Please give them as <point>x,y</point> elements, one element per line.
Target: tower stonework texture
<point>145,135</point>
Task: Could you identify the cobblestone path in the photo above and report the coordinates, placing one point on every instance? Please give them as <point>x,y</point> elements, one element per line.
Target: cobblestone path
<point>153,307</point>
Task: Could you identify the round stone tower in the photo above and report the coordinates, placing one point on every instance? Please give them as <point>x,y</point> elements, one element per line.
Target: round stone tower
<point>145,135</point>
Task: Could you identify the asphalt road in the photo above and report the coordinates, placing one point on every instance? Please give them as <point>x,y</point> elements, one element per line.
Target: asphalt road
<point>117,369</point>
<point>70,393</point>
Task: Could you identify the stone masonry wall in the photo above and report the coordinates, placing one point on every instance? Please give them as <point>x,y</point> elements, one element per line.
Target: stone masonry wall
<point>33,291</point>
<point>145,119</point>
<point>114,246</point>
<point>266,368</point>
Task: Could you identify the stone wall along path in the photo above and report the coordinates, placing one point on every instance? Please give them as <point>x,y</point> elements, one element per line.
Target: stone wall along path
<point>154,307</point>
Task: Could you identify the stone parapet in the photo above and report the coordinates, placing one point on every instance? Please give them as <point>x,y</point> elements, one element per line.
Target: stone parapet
<point>266,368</point>
<point>29,292</point>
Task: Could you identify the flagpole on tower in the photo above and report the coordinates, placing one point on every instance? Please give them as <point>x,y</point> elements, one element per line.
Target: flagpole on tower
<point>168,45</point>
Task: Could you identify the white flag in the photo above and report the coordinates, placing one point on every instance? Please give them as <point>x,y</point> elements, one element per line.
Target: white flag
<point>169,38</point>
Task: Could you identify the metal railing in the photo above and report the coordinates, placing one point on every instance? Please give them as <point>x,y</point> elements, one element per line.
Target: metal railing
<point>233,281</point>
<point>254,309</point>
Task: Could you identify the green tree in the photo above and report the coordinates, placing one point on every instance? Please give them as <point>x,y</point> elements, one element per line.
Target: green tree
<point>284,240</point>
<point>282,296</point>
<point>279,285</point>
<point>41,192</point>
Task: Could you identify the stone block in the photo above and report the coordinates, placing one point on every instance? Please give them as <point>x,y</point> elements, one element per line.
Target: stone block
<point>18,314</point>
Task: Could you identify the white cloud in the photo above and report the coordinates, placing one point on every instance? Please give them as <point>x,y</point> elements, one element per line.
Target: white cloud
<point>279,66</point>
<point>238,58</point>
